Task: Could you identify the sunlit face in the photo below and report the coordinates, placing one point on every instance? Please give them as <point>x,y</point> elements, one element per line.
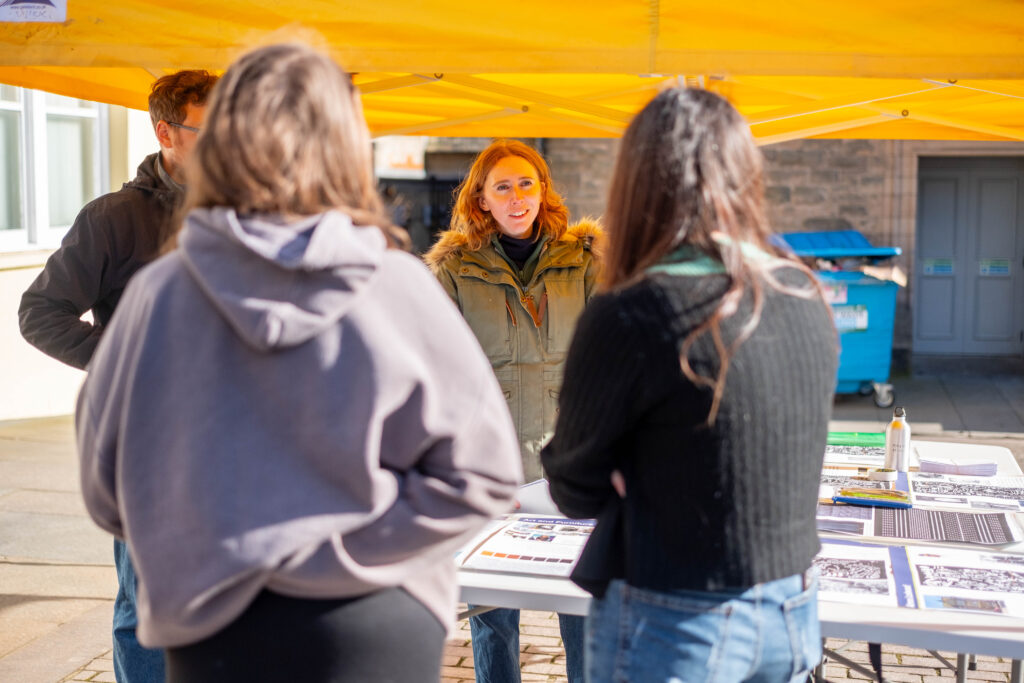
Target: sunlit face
<point>185,139</point>
<point>176,143</point>
<point>512,194</point>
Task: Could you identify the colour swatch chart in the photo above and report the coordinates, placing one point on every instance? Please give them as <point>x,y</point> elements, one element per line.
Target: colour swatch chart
<point>528,545</point>
<point>864,574</point>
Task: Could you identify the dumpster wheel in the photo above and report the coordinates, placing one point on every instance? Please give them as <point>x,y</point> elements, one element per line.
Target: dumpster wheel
<point>884,396</point>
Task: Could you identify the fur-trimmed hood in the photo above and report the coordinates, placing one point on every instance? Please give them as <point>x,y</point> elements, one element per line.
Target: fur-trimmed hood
<point>587,230</point>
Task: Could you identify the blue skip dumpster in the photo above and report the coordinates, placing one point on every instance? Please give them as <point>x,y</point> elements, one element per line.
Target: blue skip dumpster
<point>863,306</point>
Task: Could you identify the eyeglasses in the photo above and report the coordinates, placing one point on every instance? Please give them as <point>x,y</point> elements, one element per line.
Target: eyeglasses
<point>183,126</point>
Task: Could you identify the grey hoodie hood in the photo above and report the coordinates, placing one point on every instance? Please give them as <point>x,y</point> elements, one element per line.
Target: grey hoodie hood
<point>279,284</point>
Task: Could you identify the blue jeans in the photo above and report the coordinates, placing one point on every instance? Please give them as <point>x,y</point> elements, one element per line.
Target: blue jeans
<point>496,646</point>
<point>768,633</point>
<point>132,662</point>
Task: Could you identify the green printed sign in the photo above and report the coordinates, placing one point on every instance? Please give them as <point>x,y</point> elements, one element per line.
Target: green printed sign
<point>937,266</point>
<point>994,267</point>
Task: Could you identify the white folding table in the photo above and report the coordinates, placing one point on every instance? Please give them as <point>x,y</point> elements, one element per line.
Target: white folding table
<point>964,632</point>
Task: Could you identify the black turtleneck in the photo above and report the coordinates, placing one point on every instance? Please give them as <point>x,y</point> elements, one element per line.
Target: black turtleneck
<point>518,249</point>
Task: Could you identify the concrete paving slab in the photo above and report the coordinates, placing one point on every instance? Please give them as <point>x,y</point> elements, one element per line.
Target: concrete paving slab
<point>981,404</point>
<point>1012,389</point>
<point>39,474</point>
<point>65,649</point>
<point>25,618</point>
<point>44,502</point>
<point>30,577</point>
<point>59,538</point>
<point>58,430</point>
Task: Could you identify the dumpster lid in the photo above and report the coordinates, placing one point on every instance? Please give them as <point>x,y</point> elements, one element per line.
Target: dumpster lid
<point>836,244</point>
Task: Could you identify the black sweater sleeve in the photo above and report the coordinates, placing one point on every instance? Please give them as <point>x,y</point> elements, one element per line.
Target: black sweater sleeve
<point>75,278</point>
<point>600,393</point>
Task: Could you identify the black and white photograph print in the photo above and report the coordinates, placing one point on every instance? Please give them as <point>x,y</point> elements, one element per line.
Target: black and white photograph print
<point>841,481</point>
<point>869,452</point>
<point>850,568</point>
<point>853,586</point>
<point>966,489</point>
<point>971,578</point>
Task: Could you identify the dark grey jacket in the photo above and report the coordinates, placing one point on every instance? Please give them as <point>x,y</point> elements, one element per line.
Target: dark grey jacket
<point>112,237</point>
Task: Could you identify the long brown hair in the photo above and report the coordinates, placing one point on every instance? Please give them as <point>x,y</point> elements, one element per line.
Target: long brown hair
<point>478,225</point>
<point>689,174</point>
<point>284,134</point>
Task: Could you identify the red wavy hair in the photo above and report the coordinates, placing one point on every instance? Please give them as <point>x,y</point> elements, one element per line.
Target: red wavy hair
<point>478,225</point>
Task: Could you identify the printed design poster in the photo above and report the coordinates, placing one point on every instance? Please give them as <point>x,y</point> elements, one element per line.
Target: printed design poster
<point>864,574</point>
<point>868,456</point>
<point>849,520</point>
<point>838,479</point>
<point>933,525</point>
<point>967,579</point>
<point>933,490</point>
<point>527,544</point>
<point>920,525</point>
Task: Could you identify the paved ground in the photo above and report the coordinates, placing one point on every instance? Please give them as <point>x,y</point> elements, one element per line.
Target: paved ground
<point>57,578</point>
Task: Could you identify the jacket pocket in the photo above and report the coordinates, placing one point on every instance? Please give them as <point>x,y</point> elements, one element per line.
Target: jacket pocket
<point>566,299</point>
<point>483,307</point>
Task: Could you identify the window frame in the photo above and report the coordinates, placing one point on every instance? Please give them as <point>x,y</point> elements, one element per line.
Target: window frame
<point>35,232</point>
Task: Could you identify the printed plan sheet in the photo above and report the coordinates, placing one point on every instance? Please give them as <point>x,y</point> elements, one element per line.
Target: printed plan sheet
<point>968,493</point>
<point>854,456</point>
<point>968,579</point>
<point>527,544</point>
<point>864,574</point>
<point>992,528</point>
<point>924,577</point>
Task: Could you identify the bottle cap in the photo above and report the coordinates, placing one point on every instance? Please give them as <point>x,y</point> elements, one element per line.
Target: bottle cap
<point>899,412</point>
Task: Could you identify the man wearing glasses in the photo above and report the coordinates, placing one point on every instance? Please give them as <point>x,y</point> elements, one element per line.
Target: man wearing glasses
<point>112,237</point>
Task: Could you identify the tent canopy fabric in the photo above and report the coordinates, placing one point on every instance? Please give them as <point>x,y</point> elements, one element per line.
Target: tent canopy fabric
<point>903,69</point>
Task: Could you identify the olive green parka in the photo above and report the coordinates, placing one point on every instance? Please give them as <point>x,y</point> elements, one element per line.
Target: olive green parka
<point>523,327</point>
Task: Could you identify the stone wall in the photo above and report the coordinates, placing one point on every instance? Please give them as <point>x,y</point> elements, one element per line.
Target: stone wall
<point>817,185</point>
<point>581,169</point>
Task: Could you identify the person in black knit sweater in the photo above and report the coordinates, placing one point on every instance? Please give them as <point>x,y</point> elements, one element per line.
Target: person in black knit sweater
<point>693,416</point>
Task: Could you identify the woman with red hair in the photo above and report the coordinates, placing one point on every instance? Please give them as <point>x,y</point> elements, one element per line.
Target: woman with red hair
<point>521,276</point>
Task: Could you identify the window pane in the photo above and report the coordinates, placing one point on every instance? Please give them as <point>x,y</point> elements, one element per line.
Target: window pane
<point>67,102</point>
<point>10,171</point>
<point>8,93</point>
<point>70,175</point>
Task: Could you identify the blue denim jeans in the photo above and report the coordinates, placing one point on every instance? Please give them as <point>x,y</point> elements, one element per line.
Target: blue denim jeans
<point>132,662</point>
<point>768,634</point>
<point>496,646</point>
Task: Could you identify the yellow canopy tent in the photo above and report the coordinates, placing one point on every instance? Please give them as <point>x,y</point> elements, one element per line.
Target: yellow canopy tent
<point>906,69</point>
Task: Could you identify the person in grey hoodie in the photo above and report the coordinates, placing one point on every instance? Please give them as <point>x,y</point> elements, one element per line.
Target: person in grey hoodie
<point>288,421</point>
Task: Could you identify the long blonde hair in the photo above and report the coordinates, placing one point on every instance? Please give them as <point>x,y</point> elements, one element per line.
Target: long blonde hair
<point>478,225</point>
<point>284,134</point>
